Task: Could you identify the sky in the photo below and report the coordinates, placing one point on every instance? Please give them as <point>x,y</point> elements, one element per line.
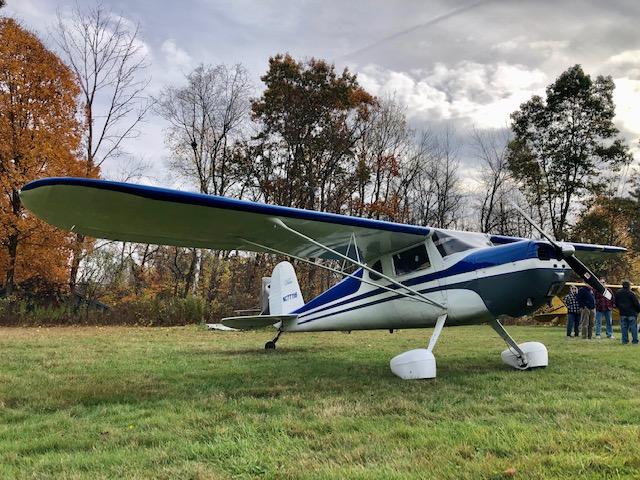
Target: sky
<point>457,64</point>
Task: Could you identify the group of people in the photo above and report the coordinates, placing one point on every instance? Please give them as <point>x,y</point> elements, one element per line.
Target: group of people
<point>587,307</point>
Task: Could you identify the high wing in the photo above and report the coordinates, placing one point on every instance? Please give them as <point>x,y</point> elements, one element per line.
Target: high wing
<point>136,213</point>
<point>584,251</point>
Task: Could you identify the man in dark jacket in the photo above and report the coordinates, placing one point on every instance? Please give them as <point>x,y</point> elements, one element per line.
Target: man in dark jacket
<point>627,303</point>
<point>587,302</point>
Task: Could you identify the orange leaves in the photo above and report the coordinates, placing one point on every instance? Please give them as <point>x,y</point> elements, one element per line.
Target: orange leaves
<point>39,137</point>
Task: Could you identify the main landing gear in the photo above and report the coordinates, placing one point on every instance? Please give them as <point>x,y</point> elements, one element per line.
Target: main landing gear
<point>521,356</point>
<point>272,344</point>
<point>419,363</point>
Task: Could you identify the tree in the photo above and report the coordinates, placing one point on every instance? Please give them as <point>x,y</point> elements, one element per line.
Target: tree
<point>496,187</point>
<point>107,58</point>
<point>208,117</point>
<point>562,145</point>
<point>309,120</point>
<point>39,136</point>
<point>434,196</point>
<point>382,151</point>
<point>612,221</point>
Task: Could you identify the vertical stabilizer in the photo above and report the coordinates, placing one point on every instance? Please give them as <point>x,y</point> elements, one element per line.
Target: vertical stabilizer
<point>285,295</point>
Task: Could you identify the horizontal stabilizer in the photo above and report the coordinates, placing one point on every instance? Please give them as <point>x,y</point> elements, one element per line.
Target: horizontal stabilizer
<point>219,326</point>
<point>258,321</point>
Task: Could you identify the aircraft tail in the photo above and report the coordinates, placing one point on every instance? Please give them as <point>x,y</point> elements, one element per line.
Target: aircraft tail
<point>284,293</point>
<point>279,297</point>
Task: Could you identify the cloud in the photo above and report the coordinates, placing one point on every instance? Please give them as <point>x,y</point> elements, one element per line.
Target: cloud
<point>470,94</point>
<point>627,98</point>
<point>626,63</point>
<point>175,56</point>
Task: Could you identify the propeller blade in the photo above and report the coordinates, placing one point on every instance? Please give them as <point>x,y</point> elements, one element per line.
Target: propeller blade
<point>568,254</point>
<point>588,276</point>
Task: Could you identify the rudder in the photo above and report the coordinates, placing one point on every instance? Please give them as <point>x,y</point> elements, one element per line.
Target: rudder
<point>285,295</point>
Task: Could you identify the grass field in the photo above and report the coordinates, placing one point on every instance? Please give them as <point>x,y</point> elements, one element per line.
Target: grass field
<point>191,403</point>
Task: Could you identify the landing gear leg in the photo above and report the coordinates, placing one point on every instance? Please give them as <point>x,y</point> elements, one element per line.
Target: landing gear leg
<point>523,356</point>
<point>272,344</point>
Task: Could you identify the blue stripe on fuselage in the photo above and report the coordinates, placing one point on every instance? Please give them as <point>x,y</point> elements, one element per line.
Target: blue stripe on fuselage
<point>477,259</point>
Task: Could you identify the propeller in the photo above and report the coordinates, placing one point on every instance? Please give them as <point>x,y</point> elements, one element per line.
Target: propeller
<point>567,252</point>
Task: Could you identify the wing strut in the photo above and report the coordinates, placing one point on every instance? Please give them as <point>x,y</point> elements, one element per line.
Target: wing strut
<point>335,270</point>
<point>412,293</point>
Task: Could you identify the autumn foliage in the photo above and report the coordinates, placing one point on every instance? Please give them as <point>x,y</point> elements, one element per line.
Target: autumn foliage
<point>39,137</point>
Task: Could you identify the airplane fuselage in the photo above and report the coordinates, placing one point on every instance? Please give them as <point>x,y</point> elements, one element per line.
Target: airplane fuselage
<point>473,286</point>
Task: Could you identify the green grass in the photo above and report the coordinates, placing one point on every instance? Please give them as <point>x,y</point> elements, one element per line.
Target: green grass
<point>191,403</point>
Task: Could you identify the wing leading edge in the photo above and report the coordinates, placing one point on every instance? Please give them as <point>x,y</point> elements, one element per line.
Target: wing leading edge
<point>136,213</point>
<point>584,251</point>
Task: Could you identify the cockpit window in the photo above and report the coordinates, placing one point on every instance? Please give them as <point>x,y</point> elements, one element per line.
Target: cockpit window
<point>411,260</point>
<point>378,268</point>
<point>448,244</point>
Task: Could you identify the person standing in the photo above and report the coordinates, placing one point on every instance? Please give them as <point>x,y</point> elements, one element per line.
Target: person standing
<point>627,303</point>
<point>604,307</point>
<point>573,311</point>
<point>587,302</point>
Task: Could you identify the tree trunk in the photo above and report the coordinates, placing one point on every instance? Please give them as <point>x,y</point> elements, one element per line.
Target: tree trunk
<point>12,247</point>
<point>76,257</point>
<point>197,260</point>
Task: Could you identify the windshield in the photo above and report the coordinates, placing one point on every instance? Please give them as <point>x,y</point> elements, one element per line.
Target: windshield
<point>449,243</point>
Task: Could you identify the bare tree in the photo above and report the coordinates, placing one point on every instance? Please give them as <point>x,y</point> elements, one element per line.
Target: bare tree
<point>383,152</point>
<point>435,196</point>
<point>492,176</point>
<point>107,58</point>
<point>208,117</point>
<point>497,190</point>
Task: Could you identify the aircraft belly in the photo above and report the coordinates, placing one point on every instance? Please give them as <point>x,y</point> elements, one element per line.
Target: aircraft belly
<point>466,307</point>
<point>416,314</point>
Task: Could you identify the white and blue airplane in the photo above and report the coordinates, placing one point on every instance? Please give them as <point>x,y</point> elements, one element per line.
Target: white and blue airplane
<point>405,276</point>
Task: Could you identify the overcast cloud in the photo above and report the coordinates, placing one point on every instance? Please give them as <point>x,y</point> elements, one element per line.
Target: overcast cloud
<point>460,63</point>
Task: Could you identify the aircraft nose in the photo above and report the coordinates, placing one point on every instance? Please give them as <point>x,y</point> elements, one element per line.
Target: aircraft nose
<point>535,276</point>
<point>522,293</point>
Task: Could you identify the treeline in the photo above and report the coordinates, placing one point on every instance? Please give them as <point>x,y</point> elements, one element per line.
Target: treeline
<point>313,138</point>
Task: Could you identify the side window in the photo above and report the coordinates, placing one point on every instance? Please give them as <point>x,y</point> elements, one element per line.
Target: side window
<point>378,268</point>
<point>411,260</point>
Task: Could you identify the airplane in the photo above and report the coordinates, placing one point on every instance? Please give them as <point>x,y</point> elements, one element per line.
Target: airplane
<point>405,276</point>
